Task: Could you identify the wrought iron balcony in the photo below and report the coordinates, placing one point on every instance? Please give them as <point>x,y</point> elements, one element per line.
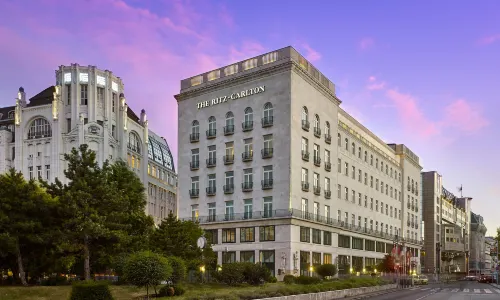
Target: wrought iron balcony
<point>267,121</point>
<point>317,161</point>
<point>317,132</point>
<point>247,156</point>
<point>194,137</point>
<point>328,194</point>
<point>305,186</point>
<point>305,155</point>
<point>247,186</point>
<point>408,205</point>
<point>211,133</point>
<point>247,125</point>
<point>328,138</point>
<point>211,162</point>
<point>317,190</point>
<point>267,184</point>
<point>211,190</point>
<point>228,129</point>
<point>328,166</point>
<point>412,207</point>
<point>306,125</point>
<point>267,152</point>
<point>228,188</point>
<point>194,193</point>
<point>228,159</point>
<point>195,165</point>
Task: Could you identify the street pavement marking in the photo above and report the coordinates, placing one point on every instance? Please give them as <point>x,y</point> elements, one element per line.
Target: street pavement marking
<point>454,290</point>
<point>488,291</point>
<point>466,290</point>
<point>477,291</point>
<point>497,290</point>
<point>425,289</point>
<point>444,290</point>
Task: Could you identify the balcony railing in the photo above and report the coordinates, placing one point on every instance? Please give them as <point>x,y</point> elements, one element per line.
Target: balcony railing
<point>247,186</point>
<point>211,133</point>
<point>317,132</point>
<point>267,184</point>
<point>328,138</point>
<point>194,137</point>
<point>267,152</point>
<point>211,162</point>
<point>317,190</point>
<point>328,194</point>
<point>306,125</point>
<point>247,125</point>
<point>247,156</point>
<point>228,159</point>
<point>328,166</point>
<point>267,121</point>
<point>305,155</point>
<point>228,188</point>
<point>317,161</point>
<point>228,129</point>
<point>194,165</point>
<point>194,193</point>
<point>211,190</point>
<point>305,186</point>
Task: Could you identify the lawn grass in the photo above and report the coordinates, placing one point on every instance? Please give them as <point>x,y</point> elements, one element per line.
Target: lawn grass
<point>61,292</point>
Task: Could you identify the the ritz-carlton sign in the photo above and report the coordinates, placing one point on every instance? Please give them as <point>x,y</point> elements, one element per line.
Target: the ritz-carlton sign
<point>233,96</point>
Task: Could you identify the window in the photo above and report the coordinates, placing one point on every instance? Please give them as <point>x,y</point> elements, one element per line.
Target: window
<point>304,206</point>
<point>316,210</point>
<point>268,143</point>
<point>359,152</point>
<point>316,236</point>
<point>327,156</point>
<point>339,189</point>
<point>228,257</point>
<point>39,128</point>
<point>211,181</point>
<point>229,235</point>
<point>339,140</point>
<point>346,193</point>
<point>68,93</point>
<point>327,257</point>
<point>266,233</point>
<point>339,165</point>
<point>305,116</point>
<point>327,128</point>
<point>195,184</point>
<point>357,243</point>
<point>47,172</point>
<point>346,169</point>
<point>212,212</point>
<point>248,146</point>
<point>195,128</point>
<point>359,199</point>
<point>84,94</point>
<point>247,256</point>
<point>316,152</point>
<point>212,125</point>
<point>195,157</point>
<point>248,175</point>
<point>316,180</point>
<point>268,173</point>
<point>212,236</point>
<point>346,144</point>
<point>371,159</point>
<point>344,241</point>
<point>248,116</point>
<point>353,148</point>
<point>305,234</point>
<point>327,184</point>
<point>39,172</point>
<point>229,150</point>
<point>305,145</point>
<point>212,155</point>
<point>327,212</point>
<point>353,173</point>
<point>247,234</point>
<point>359,175</point>
<point>268,112</point>
<point>229,210</point>
<point>268,207</point>
<point>248,208</point>
<point>305,175</point>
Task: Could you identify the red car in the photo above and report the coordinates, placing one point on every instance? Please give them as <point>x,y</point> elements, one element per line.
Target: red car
<point>486,279</point>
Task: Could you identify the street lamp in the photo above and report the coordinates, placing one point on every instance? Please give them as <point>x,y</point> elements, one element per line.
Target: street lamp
<point>396,247</point>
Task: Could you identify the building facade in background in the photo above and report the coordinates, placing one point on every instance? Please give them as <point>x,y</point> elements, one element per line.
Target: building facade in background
<point>477,261</point>
<point>447,227</point>
<point>86,106</point>
<point>278,173</point>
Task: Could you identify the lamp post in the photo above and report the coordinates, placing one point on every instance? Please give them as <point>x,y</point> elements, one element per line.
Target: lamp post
<point>396,247</point>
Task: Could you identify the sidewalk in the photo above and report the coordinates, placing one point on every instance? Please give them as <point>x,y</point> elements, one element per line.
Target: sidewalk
<point>495,285</point>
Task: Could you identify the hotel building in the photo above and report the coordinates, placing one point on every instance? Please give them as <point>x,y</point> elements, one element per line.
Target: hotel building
<point>447,227</point>
<point>86,106</point>
<point>276,172</point>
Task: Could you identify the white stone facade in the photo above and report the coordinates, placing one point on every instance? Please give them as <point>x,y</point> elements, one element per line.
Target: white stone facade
<point>263,148</point>
<point>86,106</point>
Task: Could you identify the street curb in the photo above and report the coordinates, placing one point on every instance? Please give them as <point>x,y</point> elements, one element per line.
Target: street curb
<point>373,294</point>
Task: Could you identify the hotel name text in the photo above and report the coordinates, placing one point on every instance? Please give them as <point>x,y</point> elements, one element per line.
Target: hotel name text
<point>233,96</point>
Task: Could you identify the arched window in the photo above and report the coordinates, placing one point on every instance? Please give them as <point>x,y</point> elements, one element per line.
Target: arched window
<point>305,116</point>
<point>359,152</point>
<point>211,123</point>
<point>229,119</point>
<point>376,163</point>
<point>316,121</point>
<point>339,139</point>
<point>248,115</point>
<point>134,143</point>
<point>366,156</point>
<point>195,127</point>
<point>346,144</point>
<point>371,159</point>
<point>327,128</point>
<point>39,128</point>
<point>386,169</point>
<point>382,166</point>
<point>268,112</point>
<point>353,146</point>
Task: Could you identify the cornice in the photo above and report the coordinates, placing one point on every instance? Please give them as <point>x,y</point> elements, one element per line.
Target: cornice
<point>308,77</point>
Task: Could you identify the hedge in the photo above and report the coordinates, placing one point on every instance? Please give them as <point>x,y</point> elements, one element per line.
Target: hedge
<point>90,290</point>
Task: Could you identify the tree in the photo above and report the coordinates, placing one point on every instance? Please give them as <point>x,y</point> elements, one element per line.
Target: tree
<point>387,264</point>
<point>147,269</point>
<point>25,210</point>
<point>326,270</point>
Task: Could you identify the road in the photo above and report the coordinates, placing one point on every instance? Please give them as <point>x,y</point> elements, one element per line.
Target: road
<point>460,290</point>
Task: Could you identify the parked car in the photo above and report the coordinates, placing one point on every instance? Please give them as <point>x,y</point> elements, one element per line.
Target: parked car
<point>422,279</point>
<point>470,278</point>
<point>486,279</point>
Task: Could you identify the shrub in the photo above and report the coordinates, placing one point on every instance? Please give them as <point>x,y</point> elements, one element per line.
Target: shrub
<point>326,270</point>
<point>273,279</point>
<point>55,281</point>
<point>289,279</point>
<point>256,274</point>
<point>90,290</point>
<point>179,270</point>
<point>231,274</point>
<point>147,269</point>
<point>307,280</point>
<point>179,290</point>
<point>168,291</point>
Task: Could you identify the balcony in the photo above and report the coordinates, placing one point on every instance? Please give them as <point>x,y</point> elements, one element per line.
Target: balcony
<point>228,159</point>
<point>328,138</point>
<point>228,129</point>
<point>317,161</point>
<point>416,192</point>
<point>416,225</point>
<point>408,205</point>
<point>412,207</point>
<point>211,162</point>
<point>328,166</point>
<point>211,190</point>
<point>267,121</point>
<point>416,208</point>
<point>306,125</point>
<point>305,186</point>
<point>228,188</point>
<point>194,137</point>
<point>247,156</point>
<point>194,165</point>
<point>247,186</point>
<point>317,132</point>
<point>267,184</point>
<point>194,193</point>
<point>247,125</point>
<point>328,194</point>
<point>211,133</point>
<point>317,190</point>
<point>305,155</point>
<point>408,223</point>
<point>267,152</point>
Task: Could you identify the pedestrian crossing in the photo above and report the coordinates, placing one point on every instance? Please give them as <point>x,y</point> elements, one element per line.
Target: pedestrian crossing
<point>457,290</point>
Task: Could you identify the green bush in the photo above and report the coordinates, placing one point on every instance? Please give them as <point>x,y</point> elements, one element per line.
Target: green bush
<point>90,290</point>
<point>55,281</point>
<point>273,279</point>
<point>238,272</point>
<point>326,270</point>
<point>307,280</point>
<point>289,279</point>
<point>179,270</point>
<point>147,269</point>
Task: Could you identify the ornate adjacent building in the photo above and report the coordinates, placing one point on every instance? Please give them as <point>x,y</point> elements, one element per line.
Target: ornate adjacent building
<point>86,106</point>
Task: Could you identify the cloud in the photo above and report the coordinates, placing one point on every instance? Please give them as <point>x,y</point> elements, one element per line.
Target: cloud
<point>374,84</point>
<point>486,40</point>
<point>464,117</point>
<point>311,54</point>
<point>366,43</point>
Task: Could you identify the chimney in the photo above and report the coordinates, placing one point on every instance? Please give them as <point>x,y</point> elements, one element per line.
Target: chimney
<point>143,116</point>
